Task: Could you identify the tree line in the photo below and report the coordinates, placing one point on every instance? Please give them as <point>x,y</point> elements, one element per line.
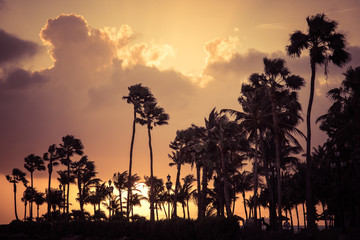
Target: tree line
<point>263,134</point>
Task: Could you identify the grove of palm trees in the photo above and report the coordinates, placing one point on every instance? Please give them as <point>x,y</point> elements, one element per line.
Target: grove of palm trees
<point>249,158</point>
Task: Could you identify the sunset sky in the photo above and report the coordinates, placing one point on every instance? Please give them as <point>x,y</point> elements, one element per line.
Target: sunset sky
<point>65,66</point>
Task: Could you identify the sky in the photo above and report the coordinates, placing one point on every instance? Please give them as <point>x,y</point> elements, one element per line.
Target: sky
<point>65,66</point>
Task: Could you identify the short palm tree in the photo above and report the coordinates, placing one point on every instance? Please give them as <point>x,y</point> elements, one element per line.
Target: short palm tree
<point>325,45</point>
<point>52,157</point>
<point>16,177</point>
<point>33,163</point>
<point>69,146</point>
<point>120,182</point>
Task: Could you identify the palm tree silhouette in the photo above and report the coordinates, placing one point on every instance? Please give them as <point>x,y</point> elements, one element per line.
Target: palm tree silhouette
<point>120,183</point>
<point>16,176</point>
<point>325,45</point>
<point>69,146</point>
<point>152,115</point>
<point>84,173</point>
<point>138,95</point>
<point>39,199</point>
<point>244,182</point>
<point>33,163</point>
<point>52,157</point>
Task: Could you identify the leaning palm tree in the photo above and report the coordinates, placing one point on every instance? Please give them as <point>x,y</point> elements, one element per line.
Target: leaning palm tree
<point>33,163</point>
<point>152,115</point>
<point>138,95</point>
<point>325,45</point>
<point>17,176</point>
<point>52,157</point>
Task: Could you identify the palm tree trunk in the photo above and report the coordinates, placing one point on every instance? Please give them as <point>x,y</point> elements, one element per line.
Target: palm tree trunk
<point>49,189</point>
<point>226,184</point>
<point>130,166</point>
<point>325,215</point>
<point>16,215</point>
<point>297,217</point>
<point>174,215</point>
<point>25,206</point>
<point>81,201</point>
<point>200,193</point>
<point>291,220</point>
<point>256,175</point>
<point>68,187</point>
<point>188,208</point>
<point>183,207</point>
<point>246,215</point>
<point>31,201</point>
<point>37,210</point>
<point>303,207</point>
<point>152,217</point>
<point>309,204</point>
<point>259,211</point>
<point>204,190</point>
<point>157,212</point>
<point>277,152</point>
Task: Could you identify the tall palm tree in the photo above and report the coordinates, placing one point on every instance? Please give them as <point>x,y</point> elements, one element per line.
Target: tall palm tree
<point>138,95</point>
<point>16,176</point>
<point>69,146</point>
<point>52,157</point>
<point>152,115</point>
<point>120,183</point>
<point>278,82</point>
<point>33,163</point>
<point>325,45</point>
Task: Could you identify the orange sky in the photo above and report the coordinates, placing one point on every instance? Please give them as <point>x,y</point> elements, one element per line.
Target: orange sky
<point>67,65</point>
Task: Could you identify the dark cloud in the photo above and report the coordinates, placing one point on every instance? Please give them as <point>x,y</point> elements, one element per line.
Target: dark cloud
<point>21,79</point>
<point>13,48</point>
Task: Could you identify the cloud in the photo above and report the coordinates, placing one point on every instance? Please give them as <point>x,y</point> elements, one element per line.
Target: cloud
<point>221,49</point>
<point>20,79</point>
<point>13,48</point>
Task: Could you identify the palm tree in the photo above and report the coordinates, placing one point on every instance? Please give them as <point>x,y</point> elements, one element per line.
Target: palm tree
<point>182,146</point>
<point>33,163</point>
<point>69,146</point>
<point>39,199</point>
<point>120,183</point>
<point>278,82</point>
<point>244,182</point>
<point>17,176</point>
<point>325,45</point>
<point>65,179</point>
<point>152,116</point>
<point>138,95</point>
<point>51,156</point>
<point>84,173</point>
<point>186,190</point>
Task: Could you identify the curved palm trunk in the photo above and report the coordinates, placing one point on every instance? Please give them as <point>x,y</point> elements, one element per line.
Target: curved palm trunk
<point>152,217</point>
<point>25,206</point>
<point>291,220</point>
<point>309,204</point>
<point>188,208</point>
<point>183,207</point>
<point>277,152</point>
<point>174,215</point>
<point>16,215</point>
<point>49,189</point>
<point>130,167</point>
<point>246,214</point>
